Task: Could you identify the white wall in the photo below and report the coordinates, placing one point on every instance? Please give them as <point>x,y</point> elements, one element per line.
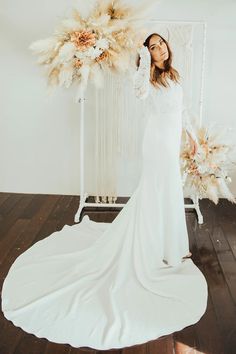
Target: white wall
<point>39,135</point>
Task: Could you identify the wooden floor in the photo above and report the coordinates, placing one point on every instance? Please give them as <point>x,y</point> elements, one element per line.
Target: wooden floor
<point>27,218</point>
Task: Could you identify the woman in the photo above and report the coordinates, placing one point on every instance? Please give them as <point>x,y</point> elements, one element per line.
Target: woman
<point>114,285</point>
<point>155,70</point>
<point>159,58</point>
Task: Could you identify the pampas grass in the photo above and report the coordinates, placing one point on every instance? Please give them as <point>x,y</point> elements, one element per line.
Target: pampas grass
<point>205,172</point>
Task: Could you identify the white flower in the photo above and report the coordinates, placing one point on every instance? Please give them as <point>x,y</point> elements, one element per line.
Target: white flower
<point>102,43</point>
<point>93,52</point>
<point>80,55</point>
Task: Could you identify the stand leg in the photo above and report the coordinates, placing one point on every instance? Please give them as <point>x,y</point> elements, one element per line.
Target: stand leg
<point>81,206</point>
<point>197,208</point>
<point>83,195</point>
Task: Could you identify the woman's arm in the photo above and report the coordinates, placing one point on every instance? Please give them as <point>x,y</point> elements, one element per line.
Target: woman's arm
<point>142,74</point>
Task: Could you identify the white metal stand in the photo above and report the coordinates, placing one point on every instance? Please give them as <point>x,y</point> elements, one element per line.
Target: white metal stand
<point>84,195</point>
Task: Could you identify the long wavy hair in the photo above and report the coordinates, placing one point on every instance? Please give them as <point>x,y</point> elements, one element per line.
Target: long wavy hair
<point>158,76</point>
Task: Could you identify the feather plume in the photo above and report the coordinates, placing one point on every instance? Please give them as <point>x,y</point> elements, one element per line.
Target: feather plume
<point>96,76</point>
<point>66,52</point>
<point>53,75</point>
<point>66,75</point>
<point>84,72</point>
<point>70,25</point>
<point>205,171</point>
<point>45,45</point>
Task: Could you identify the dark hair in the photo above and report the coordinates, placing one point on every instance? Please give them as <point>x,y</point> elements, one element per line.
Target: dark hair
<point>158,76</point>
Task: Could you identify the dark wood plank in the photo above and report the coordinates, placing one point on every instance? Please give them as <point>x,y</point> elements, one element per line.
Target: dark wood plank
<point>56,219</point>
<point>208,332</point>
<point>12,237</point>
<point>29,343</point>
<point>9,335</point>
<point>52,348</point>
<point>25,239</point>
<point>164,345</point>
<point>229,229</point>
<point>34,206</point>
<point>223,238</point>
<point>12,211</point>
<point>3,198</point>
<point>8,203</point>
<point>110,351</point>
<point>30,230</point>
<point>221,298</point>
<point>212,340</point>
<point>135,349</point>
<point>83,350</point>
<point>186,340</point>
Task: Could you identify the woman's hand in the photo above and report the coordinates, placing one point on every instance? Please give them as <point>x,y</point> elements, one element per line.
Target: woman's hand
<point>145,55</point>
<point>140,44</point>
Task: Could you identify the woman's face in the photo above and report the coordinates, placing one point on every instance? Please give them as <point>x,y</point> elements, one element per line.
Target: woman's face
<point>158,49</point>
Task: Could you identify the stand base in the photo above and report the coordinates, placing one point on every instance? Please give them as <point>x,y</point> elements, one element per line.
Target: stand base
<point>83,204</point>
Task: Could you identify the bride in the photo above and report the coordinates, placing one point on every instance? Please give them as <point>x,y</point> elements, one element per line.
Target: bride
<point>114,285</point>
<point>155,67</point>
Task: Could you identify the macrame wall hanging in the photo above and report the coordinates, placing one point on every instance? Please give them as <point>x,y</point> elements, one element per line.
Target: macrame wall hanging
<point>115,117</point>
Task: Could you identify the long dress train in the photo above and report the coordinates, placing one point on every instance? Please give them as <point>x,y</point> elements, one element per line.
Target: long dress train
<point>113,285</point>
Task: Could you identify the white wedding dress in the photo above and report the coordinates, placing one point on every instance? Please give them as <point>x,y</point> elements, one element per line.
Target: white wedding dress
<point>113,285</point>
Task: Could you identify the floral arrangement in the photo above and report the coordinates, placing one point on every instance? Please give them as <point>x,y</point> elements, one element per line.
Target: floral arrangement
<point>82,48</point>
<point>205,171</point>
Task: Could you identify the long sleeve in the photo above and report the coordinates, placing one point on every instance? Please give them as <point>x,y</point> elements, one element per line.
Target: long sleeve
<point>142,74</point>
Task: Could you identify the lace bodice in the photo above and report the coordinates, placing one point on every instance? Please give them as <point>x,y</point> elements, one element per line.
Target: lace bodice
<point>146,91</point>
